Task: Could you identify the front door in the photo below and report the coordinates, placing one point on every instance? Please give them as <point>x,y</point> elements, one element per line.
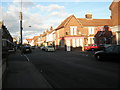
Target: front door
<point>68,47</point>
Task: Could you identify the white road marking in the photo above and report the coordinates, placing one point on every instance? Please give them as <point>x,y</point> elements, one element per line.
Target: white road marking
<point>27,57</point>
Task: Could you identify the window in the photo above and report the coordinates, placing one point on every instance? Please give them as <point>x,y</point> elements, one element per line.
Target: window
<point>110,49</point>
<point>115,50</point>
<point>91,30</point>
<point>66,33</point>
<point>73,30</point>
<point>119,49</point>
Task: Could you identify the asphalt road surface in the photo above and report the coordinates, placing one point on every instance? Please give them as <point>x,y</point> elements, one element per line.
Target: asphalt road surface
<point>75,70</point>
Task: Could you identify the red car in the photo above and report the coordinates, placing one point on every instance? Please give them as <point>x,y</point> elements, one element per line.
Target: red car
<point>93,47</point>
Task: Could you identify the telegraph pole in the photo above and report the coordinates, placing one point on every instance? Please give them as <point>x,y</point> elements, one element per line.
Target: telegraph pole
<point>21,28</point>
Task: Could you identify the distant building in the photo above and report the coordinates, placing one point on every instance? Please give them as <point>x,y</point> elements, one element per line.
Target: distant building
<point>35,39</point>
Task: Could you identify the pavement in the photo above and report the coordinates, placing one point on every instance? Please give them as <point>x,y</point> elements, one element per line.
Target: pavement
<point>21,73</point>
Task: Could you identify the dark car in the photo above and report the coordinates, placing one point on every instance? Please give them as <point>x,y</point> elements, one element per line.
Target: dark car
<point>33,47</point>
<point>109,53</point>
<point>26,49</point>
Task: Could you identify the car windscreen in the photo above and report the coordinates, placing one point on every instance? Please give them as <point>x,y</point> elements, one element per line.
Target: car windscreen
<point>50,46</point>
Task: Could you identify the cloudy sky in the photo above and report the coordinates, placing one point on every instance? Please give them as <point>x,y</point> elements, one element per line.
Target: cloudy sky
<point>41,14</point>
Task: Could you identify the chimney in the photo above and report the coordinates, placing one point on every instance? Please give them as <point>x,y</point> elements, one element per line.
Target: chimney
<point>51,28</point>
<point>88,16</point>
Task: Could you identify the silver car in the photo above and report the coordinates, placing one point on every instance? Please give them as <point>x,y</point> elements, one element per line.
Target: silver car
<point>49,48</point>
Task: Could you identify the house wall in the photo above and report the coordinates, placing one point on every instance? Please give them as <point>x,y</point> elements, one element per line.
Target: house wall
<point>90,36</point>
<point>73,22</point>
<point>75,40</point>
<point>59,34</point>
<point>115,15</point>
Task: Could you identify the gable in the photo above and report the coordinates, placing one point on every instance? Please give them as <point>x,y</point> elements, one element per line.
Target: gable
<point>70,19</point>
<point>73,22</point>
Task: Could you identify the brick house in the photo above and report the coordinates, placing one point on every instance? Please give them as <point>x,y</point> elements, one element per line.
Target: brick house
<point>92,26</point>
<point>115,17</point>
<point>74,33</point>
<point>51,36</point>
<point>43,38</point>
<point>30,41</point>
<point>68,34</point>
<point>35,39</point>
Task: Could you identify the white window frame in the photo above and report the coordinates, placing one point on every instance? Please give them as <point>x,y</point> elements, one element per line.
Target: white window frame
<point>73,30</point>
<point>91,30</point>
<point>89,40</point>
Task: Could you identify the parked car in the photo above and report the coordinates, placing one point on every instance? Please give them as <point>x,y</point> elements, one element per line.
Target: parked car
<point>93,47</point>
<point>26,48</point>
<point>49,48</point>
<point>42,47</point>
<point>33,47</point>
<point>109,53</point>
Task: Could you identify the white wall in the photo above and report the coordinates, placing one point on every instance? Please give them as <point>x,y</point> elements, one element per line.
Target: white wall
<point>50,37</point>
<point>117,30</point>
<point>32,43</point>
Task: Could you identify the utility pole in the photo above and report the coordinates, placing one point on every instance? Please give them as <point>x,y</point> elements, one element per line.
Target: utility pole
<point>21,28</point>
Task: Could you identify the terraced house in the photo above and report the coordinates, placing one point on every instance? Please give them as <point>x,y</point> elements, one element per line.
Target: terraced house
<point>74,33</point>
<point>50,37</point>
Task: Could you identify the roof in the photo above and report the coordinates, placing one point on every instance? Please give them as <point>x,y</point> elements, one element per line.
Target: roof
<point>35,37</point>
<point>95,22</point>
<point>64,22</point>
<point>29,39</point>
<point>86,22</point>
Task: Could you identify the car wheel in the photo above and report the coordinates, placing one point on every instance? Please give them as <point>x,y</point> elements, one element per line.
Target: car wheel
<point>98,57</point>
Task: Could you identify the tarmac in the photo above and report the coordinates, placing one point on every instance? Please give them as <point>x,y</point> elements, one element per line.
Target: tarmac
<point>21,73</point>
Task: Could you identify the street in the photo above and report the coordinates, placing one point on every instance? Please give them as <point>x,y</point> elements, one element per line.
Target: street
<point>74,70</point>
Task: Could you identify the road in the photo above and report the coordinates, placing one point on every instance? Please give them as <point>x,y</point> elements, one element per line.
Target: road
<point>75,70</point>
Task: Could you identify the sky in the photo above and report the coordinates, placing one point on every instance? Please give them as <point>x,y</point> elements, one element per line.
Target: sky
<point>42,14</point>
